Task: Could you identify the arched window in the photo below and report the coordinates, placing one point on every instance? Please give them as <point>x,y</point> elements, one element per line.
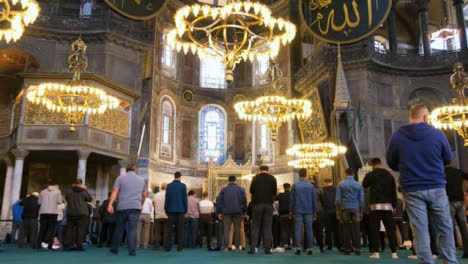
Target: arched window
<point>445,39</point>
<point>260,68</point>
<point>168,59</point>
<point>212,72</point>
<point>167,128</point>
<point>212,134</point>
<point>263,146</point>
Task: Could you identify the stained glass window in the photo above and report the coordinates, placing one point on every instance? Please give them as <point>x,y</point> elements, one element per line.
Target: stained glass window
<point>166,129</point>
<point>264,144</point>
<point>212,134</point>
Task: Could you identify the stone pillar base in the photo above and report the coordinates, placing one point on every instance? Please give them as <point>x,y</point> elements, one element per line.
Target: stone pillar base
<point>5,228</point>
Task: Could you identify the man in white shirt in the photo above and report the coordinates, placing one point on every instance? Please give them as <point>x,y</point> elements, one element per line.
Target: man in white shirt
<point>206,219</point>
<point>144,223</point>
<point>160,217</point>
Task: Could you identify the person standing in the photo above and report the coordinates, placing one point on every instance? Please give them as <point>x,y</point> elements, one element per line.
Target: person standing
<point>160,218</point>
<point>144,223</point>
<point>382,203</point>
<point>232,204</point>
<point>349,204</point>
<point>263,189</point>
<point>131,191</point>
<point>96,219</point>
<point>108,221</point>
<point>286,226</point>
<point>77,213</point>
<point>17,211</point>
<point>30,214</point>
<point>419,152</point>
<point>206,219</point>
<point>456,198</point>
<point>191,221</point>
<point>175,205</point>
<point>303,206</point>
<point>49,199</point>
<point>327,199</point>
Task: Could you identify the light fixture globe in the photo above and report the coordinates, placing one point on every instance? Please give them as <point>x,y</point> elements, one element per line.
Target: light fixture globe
<point>15,15</point>
<point>273,108</point>
<point>326,150</point>
<point>74,99</point>
<point>313,164</point>
<point>240,30</point>
<point>455,116</point>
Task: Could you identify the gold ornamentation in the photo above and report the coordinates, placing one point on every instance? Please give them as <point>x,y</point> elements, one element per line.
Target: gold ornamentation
<point>238,31</point>
<point>114,121</point>
<point>455,116</point>
<point>15,15</point>
<point>75,99</point>
<point>314,128</point>
<point>39,114</point>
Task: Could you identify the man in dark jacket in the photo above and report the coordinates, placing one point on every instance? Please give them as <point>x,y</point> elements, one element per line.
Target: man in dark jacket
<point>29,229</point>
<point>77,216</point>
<point>232,204</point>
<point>419,152</point>
<point>263,189</point>
<point>327,199</point>
<point>108,221</point>
<point>285,220</point>
<point>382,203</point>
<point>456,197</point>
<point>175,206</point>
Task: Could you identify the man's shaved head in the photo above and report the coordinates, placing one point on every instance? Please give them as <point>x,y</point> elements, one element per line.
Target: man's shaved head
<point>418,113</point>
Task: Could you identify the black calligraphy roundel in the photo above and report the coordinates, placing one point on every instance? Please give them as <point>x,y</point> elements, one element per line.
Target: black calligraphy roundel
<point>344,21</point>
<point>136,9</point>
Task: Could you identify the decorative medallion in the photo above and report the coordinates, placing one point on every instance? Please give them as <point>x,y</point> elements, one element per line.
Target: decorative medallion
<point>136,9</point>
<point>346,21</point>
<point>188,96</point>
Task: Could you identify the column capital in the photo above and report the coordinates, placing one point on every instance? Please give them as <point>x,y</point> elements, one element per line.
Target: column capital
<point>422,5</point>
<point>83,154</point>
<point>19,153</point>
<point>123,163</point>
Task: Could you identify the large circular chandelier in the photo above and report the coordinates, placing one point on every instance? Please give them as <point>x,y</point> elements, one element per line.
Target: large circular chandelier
<point>74,99</point>
<point>314,156</point>
<point>15,15</point>
<point>273,108</point>
<point>240,30</point>
<point>455,116</point>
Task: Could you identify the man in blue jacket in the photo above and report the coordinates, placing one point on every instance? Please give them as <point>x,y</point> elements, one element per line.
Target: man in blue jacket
<point>232,204</point>
<point>175,206</point>
<point>349,205</point>
<point>303,206</point>
<point>419,152</point>
<point>17,211</point>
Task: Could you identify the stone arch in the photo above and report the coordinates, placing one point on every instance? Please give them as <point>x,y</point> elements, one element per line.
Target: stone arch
<point>430,97</point>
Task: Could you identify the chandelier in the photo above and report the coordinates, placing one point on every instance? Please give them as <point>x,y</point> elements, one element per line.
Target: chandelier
<point>274,108</point>
<point>455,116</point>
<point>15,15</point>
<point>314,156</point>
<point>74,99</point>
<point>240,30</point>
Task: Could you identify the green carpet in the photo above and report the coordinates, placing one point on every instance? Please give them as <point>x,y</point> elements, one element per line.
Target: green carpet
<point>93,255</point>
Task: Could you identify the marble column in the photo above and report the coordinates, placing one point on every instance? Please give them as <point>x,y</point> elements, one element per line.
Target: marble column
<point>392,30</point>
<point>82,160</point>
<point>105,183</point>
<point>461,27</point>
<point>99,183</point>
<point>123,167</point>
<point>6,204</point>
<point>423,14</point>
<point>20,155</point>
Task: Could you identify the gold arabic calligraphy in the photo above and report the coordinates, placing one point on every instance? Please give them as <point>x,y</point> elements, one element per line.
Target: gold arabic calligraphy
<point>348,24</point>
